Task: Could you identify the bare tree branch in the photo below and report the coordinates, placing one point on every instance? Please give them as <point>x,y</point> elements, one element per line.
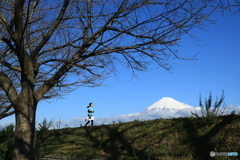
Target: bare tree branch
<point>6,111</point>
<point>9,89</point>
<point>52,29</point>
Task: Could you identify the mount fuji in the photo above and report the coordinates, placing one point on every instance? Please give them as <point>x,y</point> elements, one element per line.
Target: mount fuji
<point>166,104</point>
<point>167,108</point>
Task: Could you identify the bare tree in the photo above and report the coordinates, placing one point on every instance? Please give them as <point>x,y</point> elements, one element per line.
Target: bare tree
<point>50,47</point>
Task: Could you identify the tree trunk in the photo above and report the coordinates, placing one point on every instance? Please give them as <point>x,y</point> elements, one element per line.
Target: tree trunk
<point>25,128</point>
<point>25,114</point>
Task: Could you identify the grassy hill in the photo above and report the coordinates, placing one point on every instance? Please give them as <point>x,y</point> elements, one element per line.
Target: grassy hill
<point>167,139</point>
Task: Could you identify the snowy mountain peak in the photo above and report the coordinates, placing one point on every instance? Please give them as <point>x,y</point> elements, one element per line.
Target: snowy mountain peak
<point>167,103</point>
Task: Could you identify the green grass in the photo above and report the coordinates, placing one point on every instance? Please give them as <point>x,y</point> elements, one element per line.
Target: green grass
<point>172,139</point>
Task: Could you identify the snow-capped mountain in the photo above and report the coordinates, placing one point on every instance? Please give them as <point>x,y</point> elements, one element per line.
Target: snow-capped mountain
<point>166,103</point>
<point>167,108</point>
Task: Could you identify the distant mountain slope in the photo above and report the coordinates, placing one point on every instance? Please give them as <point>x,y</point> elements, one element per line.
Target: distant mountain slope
<point>164,108</point>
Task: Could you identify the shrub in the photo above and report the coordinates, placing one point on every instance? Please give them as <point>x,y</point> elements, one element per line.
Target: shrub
<point>208,110</point>
<point>7,141</point>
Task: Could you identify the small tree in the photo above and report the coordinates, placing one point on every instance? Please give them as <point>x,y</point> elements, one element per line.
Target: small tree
<point>45,125</point>
<point>42,136</point>
<point>209,110</point>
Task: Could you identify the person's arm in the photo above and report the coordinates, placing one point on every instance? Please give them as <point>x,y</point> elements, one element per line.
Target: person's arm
<point>90,110</point>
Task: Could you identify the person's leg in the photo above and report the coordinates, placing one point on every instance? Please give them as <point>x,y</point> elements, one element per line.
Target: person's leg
<point>91,122</point>
<point>87,123</point>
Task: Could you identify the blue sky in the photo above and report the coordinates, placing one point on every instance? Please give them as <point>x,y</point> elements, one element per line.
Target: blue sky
<point>216,69</point>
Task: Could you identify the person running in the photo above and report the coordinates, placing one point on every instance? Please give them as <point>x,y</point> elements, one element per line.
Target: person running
<point>90,117</point>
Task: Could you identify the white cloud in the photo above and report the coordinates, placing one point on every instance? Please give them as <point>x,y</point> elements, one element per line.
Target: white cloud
<point>231,108</point>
